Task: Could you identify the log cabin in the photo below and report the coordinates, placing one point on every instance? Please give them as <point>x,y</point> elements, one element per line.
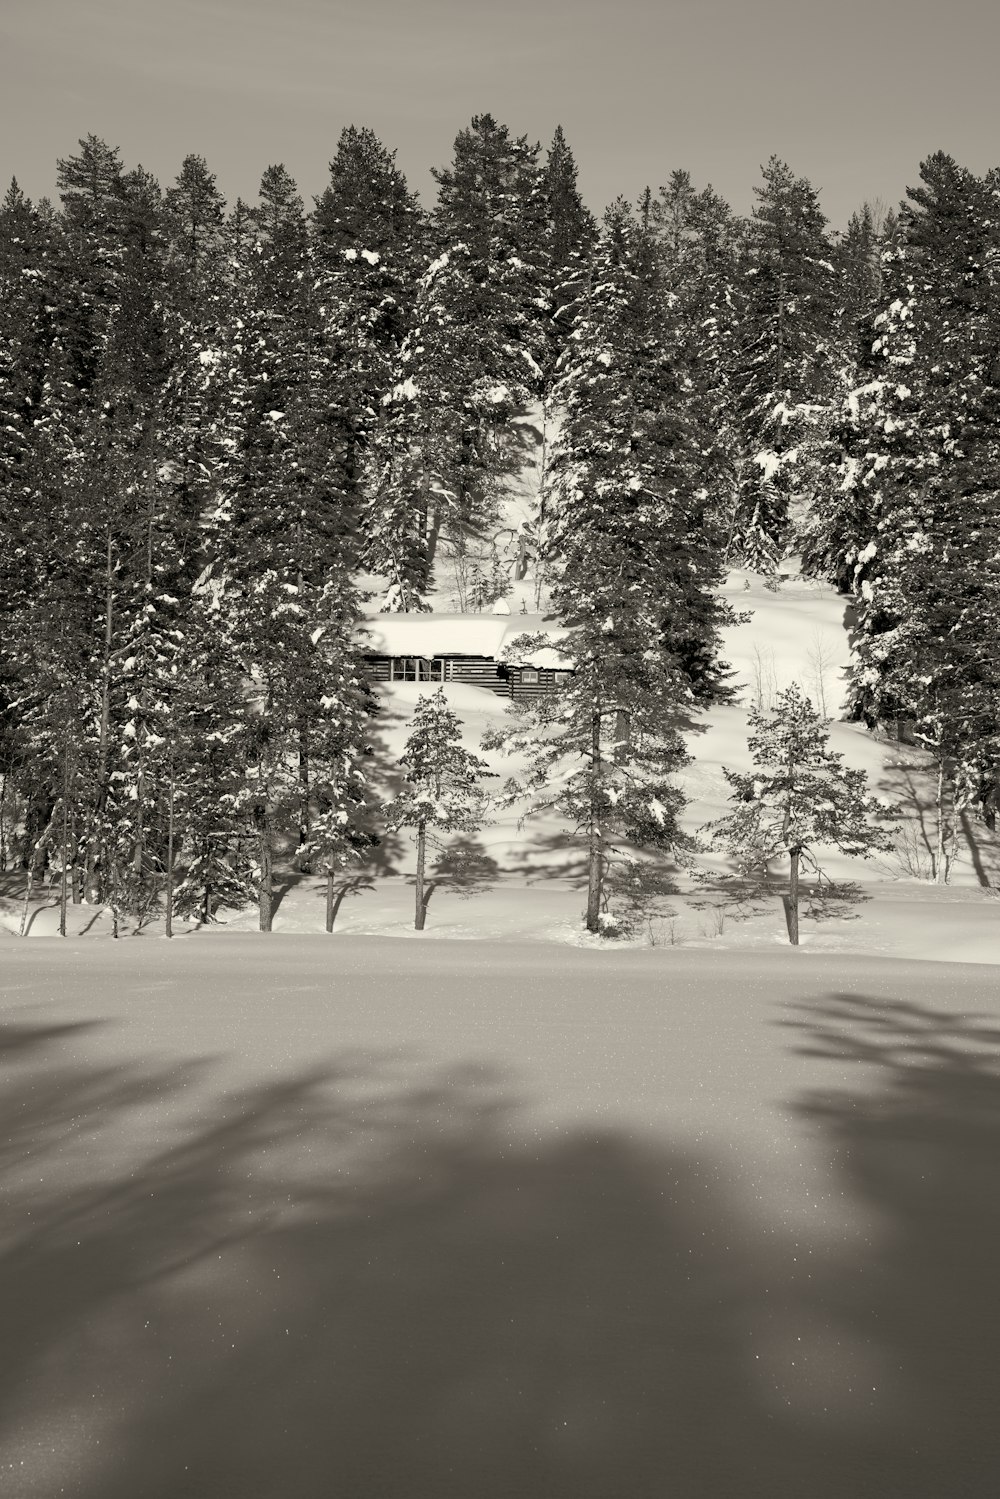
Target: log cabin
<point>470,648</point>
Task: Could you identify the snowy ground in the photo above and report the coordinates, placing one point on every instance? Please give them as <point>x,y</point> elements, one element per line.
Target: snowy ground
<point>288,1217</point>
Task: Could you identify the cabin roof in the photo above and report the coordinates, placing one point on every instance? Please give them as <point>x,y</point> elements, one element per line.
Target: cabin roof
<point>482,635</point>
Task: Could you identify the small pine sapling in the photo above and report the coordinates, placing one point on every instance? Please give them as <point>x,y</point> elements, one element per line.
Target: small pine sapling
<point>800,794</point>
<point>441,791</point>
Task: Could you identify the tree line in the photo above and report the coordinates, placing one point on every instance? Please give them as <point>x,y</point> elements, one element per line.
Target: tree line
<point>218,424</point>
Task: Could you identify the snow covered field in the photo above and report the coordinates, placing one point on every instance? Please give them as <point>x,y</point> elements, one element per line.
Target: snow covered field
<point>288,1217</point>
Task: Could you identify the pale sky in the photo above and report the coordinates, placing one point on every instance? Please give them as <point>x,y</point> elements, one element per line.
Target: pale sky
<point>851,93</point>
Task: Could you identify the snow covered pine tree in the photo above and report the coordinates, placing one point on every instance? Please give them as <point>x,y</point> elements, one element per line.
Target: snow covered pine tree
<point>914,529</point>
<point>786,369</point>
<point>800,794</point>
<point>441,791</point>
<point>637,554</point>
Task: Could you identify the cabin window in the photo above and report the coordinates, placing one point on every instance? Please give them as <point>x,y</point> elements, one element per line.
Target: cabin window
<point>529,674</point>
<point>415,669</point>
<point>562,677</point>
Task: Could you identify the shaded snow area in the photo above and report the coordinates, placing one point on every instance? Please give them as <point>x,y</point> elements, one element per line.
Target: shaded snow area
<point>291,1217</point>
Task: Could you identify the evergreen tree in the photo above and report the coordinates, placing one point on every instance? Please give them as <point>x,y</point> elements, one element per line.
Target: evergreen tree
<point>369,241</point>
<point>195,225</point>
<point>477,347</point>
<point>90,186</point>
<point>601,750</point>
<point>209,853</point>
<point>45,654</point>
<point>571,234</point>
<point>202,323</point>
<point>914,529</point>
<point>638,555</point>
<point>492,201</point>
<point>635,459</point>
<point>441,791</point>
<point>29,301</point>
<point>91,494</point>
<point>445,444</point>
<point>859,261</point>
<point>799,795</point>
<point>26,296</point>
<point>283,540</point>
<point>572,230</point>
<point>366,204</point>
<point>491,198</point>
<point>698,245</point>
<point>786,364</point>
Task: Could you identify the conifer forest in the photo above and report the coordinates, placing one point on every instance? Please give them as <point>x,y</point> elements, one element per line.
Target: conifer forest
<point>227,429</point>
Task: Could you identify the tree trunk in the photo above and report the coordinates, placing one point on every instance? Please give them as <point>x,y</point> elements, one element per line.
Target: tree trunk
<point>330,899</point>
<point>460,568</point>
<point>433,536</point>
<point>170,857</point>
<point>305,820</point>
<point>33,862</point>
<point>266,856</point>
<point>542,481</point>
<point>941,860</point>
<point>76,873</point>
<point>28,891</point>
<point>622,729</point>
<point>792,898</point>
<point>988,807</point>
<point>595,879</point>
<point>421,911</point>
<point>64,851</point>
<point>93,886</point>
<point>140,833</point>
<point>595,862</point>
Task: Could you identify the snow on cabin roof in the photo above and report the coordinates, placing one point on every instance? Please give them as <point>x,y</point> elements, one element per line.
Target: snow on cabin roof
<point>456,635</point>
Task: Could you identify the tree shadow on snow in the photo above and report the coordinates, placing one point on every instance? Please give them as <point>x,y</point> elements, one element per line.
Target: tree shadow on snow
<point>383,780</point>
<point>911,784</point>
<point>465,867</point>
<point>357,1281</point>
<point>915,1133</point>
<point>542,857</point>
